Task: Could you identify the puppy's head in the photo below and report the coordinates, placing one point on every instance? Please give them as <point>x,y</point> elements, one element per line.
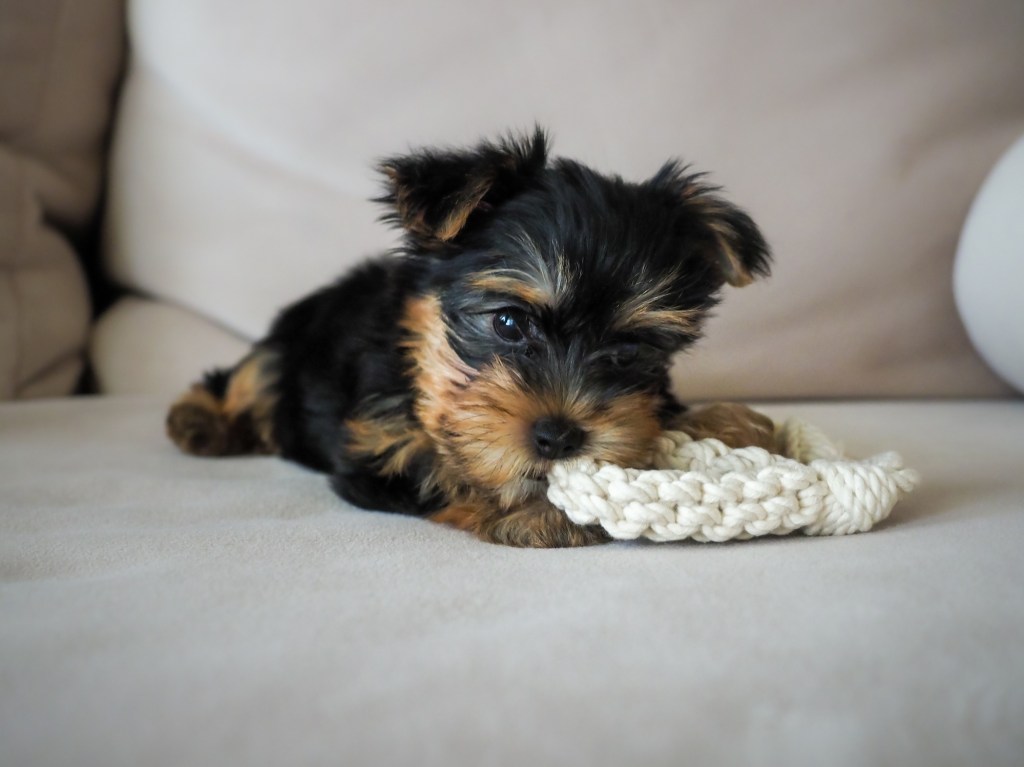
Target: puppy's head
<point>551,301</point>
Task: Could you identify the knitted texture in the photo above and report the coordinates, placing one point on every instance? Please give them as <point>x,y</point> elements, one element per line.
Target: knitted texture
<point>707,491</point>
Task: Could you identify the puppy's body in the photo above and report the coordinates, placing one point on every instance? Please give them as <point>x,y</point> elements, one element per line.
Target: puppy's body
<point>529,318</point>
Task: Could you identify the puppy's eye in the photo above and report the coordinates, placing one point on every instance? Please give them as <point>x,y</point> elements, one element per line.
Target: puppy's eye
<point>512,325</point>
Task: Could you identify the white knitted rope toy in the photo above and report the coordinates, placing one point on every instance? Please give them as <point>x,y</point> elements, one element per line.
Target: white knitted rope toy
<point>704,490</point>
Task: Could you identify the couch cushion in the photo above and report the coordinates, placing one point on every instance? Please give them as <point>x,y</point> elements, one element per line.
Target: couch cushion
<point>856,133</point>
<point>59,64</point>
<point>143,346</point>
<point>159,609</point>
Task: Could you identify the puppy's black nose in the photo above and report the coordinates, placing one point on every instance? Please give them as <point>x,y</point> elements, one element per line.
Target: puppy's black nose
<point>555,438</point>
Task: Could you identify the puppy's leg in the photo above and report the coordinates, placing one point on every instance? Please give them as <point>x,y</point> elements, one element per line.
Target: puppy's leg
<point>533,524</point>
<point>734,424</point>
<point>396,493</point>
<point>230,412</point>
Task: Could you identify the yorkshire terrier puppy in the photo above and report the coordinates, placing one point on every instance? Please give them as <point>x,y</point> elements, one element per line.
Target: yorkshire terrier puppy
<point>529,317</point>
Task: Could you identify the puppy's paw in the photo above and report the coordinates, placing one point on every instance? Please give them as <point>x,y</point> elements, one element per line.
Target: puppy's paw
<point>539,525</point>
<point>534,525</point>
<point>734,424</point>
<point>197,426</point>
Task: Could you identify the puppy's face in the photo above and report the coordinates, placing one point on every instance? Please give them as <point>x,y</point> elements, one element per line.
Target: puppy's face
<point>552,301</point>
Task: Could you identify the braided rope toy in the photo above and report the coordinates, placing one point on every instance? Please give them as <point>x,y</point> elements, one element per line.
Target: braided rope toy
<point>707,491</point>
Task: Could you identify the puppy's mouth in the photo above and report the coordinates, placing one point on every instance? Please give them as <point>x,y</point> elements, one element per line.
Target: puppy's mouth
<point>533,482</point>
<point>539,471</point>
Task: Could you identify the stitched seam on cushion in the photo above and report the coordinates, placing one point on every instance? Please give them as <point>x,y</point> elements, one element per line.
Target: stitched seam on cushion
<point>48,369</point>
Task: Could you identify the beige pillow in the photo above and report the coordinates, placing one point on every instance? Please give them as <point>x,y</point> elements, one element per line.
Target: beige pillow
<point>59,65</point>
<point>142,346</point>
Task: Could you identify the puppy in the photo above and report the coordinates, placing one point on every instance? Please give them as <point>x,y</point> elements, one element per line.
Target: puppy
<point>529,317</point>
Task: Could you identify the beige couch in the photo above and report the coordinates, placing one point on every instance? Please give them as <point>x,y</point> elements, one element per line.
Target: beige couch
<point>158,609</point>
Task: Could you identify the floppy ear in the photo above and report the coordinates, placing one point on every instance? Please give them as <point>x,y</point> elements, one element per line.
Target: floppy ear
<point>735,245</point>
<point>432,193</point>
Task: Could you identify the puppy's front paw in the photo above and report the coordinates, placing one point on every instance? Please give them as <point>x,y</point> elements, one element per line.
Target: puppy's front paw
<point>534,525</point>
<point>734,424</point>
<point>543,531</point>
<point>196,426</point>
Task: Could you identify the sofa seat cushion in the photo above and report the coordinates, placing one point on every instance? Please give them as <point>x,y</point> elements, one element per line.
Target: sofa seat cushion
<point>160,609</point>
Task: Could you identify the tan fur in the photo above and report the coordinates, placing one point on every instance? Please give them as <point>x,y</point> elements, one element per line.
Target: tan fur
<point>413,218</point>
<point>487,429</point>
<point>651,317</point>
<point>481,421</point>
<point>437,369</point>
<point>534,524</point>
<point>513,285</point>
<point>647,309</point>
<point>251,392</point>
<point>394,438</point>
<point>469,200</point>
<point>242,422</point>
<point>733,270</point>
<point>734,424</point>
<point>712,209</point>
<point>195,423</point>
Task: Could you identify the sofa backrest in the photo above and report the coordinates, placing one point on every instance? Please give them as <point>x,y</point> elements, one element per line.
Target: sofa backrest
<point>855,132</point>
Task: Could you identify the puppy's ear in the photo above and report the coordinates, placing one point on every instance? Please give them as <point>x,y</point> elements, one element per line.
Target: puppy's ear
<point>432,193</point>
<point>735,245</point>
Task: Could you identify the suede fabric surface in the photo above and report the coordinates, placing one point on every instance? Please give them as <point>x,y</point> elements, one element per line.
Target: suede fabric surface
<point>159,609</point>
<point>857,133</point>
<point>136,330</point>
<point>60,62</point>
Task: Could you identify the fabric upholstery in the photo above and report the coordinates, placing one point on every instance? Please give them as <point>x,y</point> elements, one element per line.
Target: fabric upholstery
<point>160,609</point>
<point>856,133</point>
<point>142,346</point>
<point>60,62</point>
